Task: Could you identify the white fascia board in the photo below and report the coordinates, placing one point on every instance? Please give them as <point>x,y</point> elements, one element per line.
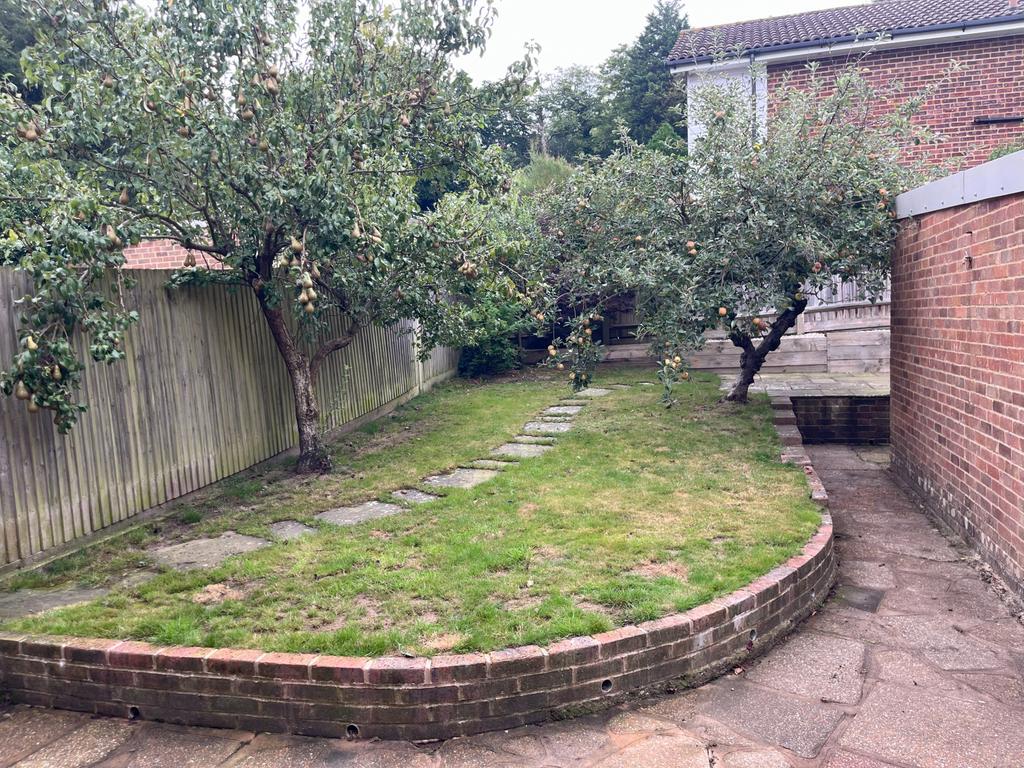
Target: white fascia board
<point>869,43</point>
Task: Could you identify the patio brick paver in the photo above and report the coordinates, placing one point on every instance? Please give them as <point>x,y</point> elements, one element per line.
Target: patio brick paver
<point>914,663</point>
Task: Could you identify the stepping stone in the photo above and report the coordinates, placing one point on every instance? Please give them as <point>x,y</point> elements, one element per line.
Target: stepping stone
<point>547,427</point>
<point>287,530</point>
<point>25,602</point>
<point>556,419</point>
<point>370,510</point>
<point>492,464</point>
<point>206,553</point>
<point>570,401</point>
<point>412,496</point>
<point>533,440</point>
<point>563,410</point>
<point>594,392</point>
<point>463,477</point>
<point>618,386</point>
<point>522,450</point>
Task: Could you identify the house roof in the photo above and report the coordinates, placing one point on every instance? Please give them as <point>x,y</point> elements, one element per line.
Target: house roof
<point>835,25</point>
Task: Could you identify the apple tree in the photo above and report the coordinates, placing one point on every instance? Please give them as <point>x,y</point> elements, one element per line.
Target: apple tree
<point>279,141</point>
<point>736,234</point>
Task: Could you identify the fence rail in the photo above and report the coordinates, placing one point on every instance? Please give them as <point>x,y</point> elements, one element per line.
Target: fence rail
<point>202,394</point>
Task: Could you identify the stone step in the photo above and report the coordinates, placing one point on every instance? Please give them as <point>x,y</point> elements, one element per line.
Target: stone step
<point>522,450</point>
<point>463,477</point>
<point>547,427</point>
<point>370,510</point>
<point>412,496</point>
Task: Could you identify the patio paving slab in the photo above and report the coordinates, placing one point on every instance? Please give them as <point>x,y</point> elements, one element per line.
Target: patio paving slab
<point>25,602</point>
<point>370,510</point>
<point>412,496</point>
<point>595,392</point>
<point>563,410</point>
<point>287,530</point>
<point>463,477</point>
<point>548,427</point>
<point>522,450</point>
<point>206,553</point>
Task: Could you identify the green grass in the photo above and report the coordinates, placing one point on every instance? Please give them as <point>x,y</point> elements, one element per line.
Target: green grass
<point>639,512</point>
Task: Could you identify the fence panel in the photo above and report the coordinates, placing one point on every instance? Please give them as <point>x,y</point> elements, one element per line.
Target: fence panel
<point>202,394</point>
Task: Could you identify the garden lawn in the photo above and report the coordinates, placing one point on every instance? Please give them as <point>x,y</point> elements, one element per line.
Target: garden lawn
<point>638,512</point>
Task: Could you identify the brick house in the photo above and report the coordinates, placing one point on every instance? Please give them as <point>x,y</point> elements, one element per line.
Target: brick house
<point>978,110</point>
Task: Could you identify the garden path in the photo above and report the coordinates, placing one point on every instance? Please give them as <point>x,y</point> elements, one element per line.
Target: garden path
<point>915,662</point>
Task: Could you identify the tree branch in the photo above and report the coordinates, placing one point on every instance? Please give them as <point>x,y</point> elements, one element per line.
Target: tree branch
<point>328,348</point>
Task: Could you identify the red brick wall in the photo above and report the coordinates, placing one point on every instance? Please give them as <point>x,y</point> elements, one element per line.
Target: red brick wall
<point>990,84</point>
<point>958,372</point>
<point>162,254</point>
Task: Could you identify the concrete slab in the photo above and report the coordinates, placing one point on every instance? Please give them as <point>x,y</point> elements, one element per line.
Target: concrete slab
<point>815,666</point>
<point>83,747</point>
<point>25,602</point>
<point>463,477</point>
<point>798,725</point>
<point>867,573</point>
<point>670,750</point>
<point>206,553</point>
<point>521,450</point>
<point>493,464</point>
<point>166,746</point>
<point>927,727</point>
<point>547,427</point>
<point>370,510</point>
<point>563,410</point>
<point>412,496</point>
<point>287,530</point>
<point>24,731</point>
<point>594,392</point>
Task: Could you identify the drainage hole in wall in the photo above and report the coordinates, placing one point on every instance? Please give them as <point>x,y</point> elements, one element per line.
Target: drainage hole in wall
<point>133,713</point>
<point>607,686</point>
<point>753,635</point>
<point>352,731</point>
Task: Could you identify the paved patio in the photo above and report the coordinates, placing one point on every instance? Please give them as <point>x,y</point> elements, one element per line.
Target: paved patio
<point>818,384</point>
<point>914,663</point>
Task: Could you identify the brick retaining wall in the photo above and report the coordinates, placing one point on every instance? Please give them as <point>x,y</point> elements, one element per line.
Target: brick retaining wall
<point>856,420</point>
<point>420,698</point>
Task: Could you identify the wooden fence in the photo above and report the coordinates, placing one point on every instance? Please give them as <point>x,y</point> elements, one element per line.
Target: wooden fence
<point>202,394</point>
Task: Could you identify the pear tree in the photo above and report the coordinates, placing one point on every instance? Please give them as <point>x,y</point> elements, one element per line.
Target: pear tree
<point>278,142</point>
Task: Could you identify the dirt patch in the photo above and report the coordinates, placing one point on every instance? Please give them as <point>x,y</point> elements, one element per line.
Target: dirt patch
<point>662,570</point>
<point>524,603</point>
<point>213,594</point>
<point>547,555</point>
<point>590,607</point>
<point>382,535</point>
<point>527,510</point>
<point>445,642</point>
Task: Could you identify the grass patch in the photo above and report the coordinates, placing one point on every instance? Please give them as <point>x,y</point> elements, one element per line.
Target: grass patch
<point>639,512</point>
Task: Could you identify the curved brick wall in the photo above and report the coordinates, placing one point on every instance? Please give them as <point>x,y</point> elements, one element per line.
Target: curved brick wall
<point>419,698</point>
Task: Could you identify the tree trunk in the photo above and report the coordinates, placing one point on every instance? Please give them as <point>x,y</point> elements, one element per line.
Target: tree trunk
<point>313,456</point>
<point>753,357</point>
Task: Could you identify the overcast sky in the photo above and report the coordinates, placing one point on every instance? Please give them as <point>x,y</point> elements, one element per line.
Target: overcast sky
<point>586,31</point>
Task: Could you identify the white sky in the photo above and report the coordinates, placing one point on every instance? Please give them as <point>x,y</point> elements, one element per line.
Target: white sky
<point>586,31</point>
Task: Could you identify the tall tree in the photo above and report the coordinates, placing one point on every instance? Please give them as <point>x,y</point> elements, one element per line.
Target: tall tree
<point>643,90</point>
<point>286,151</point>
<point>15,36</point>
<point>574,119</point>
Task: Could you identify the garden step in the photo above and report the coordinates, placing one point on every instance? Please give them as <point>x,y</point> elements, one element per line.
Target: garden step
<point>555,419</point>
<point>533,440</point>
<point>369,510</point>
<point>563,410</point>
<point>547,427</point>
<point>570,401</point>
<point>412,496</point>
<point>286,530</point>
<point>522,450</point>
<point>463,477</point>
<point>789,434</point>
<point>594,392</point>
<point>492,464</point>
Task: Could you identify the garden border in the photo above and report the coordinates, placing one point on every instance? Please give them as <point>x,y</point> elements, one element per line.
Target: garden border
<point>427,699</point>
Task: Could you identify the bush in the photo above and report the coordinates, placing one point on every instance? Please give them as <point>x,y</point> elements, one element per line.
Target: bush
<point>493,355</point>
